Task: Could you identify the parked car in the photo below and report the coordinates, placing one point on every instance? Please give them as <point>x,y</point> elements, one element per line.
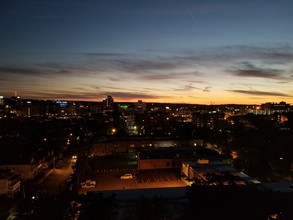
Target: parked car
<point>92,182</point>
<point>126,176</point>
<point>88,184</point>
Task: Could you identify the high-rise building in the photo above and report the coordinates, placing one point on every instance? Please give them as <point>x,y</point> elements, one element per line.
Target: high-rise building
<point>2,105</point>
<point>140,106</point>
<point>213,121</point>
<point>108,102</point>
<point>1,101</point>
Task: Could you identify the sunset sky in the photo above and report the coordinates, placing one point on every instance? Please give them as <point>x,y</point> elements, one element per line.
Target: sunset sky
<point>179,51</point>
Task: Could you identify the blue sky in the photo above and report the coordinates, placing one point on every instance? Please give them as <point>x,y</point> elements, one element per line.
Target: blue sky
<point>179,51</point>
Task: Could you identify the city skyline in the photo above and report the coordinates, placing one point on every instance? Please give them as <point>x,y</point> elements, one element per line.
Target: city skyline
<point>195,52</point>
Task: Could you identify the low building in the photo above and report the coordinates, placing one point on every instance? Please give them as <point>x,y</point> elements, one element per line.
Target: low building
<point>213,172</point>
<point>27,168</point>
<point>9,183</point>
<point>168,158</point>
<point>200,168</point>
<point>118,146</point>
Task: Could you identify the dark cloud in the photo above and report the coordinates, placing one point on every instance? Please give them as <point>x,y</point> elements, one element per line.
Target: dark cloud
<point>115,79</point>
<point>74,68</point>
<point>212,57</point>
<point>160,76</point>
<point>8,71</point>
<point>139,65</point>
<point>280,52</point>
<point>256,73</point>
<point>101,92</point>
<point>259,93</point>
<point>80,88</point>
<point>98,96</point>
<point>22,71</point>
<point>7,79</point>
<point>207,89</point>
<point>280,56</point>
<point>129,95</point>
<point>198,81</point>
<point>65,95</point>
<point>170,60</point>
<point>188,87</point>
<point>247,69</point>
<point>105,54</point>
<point>63,72</point>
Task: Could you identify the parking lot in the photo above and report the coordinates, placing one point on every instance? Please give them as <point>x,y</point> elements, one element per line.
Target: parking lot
<point>154,176</point>
<point>111,180</point>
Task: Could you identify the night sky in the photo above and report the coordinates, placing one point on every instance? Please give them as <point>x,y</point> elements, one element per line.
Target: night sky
<point>180,51</point>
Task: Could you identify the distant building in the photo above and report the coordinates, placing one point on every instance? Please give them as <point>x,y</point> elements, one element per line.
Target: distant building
<point>2,105</point>
<point>140,106</point>
<point>116,146</point>
<point>213,121</point>
<point>108,102</point>
<point>1,101</point>
<point>271,107</point>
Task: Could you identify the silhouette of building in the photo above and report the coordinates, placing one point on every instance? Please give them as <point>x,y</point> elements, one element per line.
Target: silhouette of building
<point>108,102</point>
<point>140,106</point>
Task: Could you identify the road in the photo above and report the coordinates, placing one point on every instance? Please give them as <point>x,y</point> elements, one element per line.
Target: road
<point>55,181</point>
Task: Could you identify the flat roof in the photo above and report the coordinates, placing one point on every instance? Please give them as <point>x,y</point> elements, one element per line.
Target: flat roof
<point>212,167</point>
<point>192,153</point>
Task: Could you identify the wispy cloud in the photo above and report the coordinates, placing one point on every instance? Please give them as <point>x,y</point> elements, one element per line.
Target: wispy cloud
<point>90,95</point>
<point>93,75</point>
<point>247,69</point>
<point>160,76</point>
<point>259,93</point>
<point>22,71</point>
<point>207,89</point>
<point>142,65</point>
<point>101,54</point>
<point>129,95</point>
<point>188,87</point>
<point>33,71</point>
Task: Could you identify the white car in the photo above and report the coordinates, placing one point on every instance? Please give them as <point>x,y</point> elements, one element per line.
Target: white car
<point>126,176</point>
<point>88,184</point>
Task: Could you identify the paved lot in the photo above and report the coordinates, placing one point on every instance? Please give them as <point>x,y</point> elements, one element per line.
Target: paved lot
<point>110,180</point>
<point>108,174</point>
<point>155,176</point>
